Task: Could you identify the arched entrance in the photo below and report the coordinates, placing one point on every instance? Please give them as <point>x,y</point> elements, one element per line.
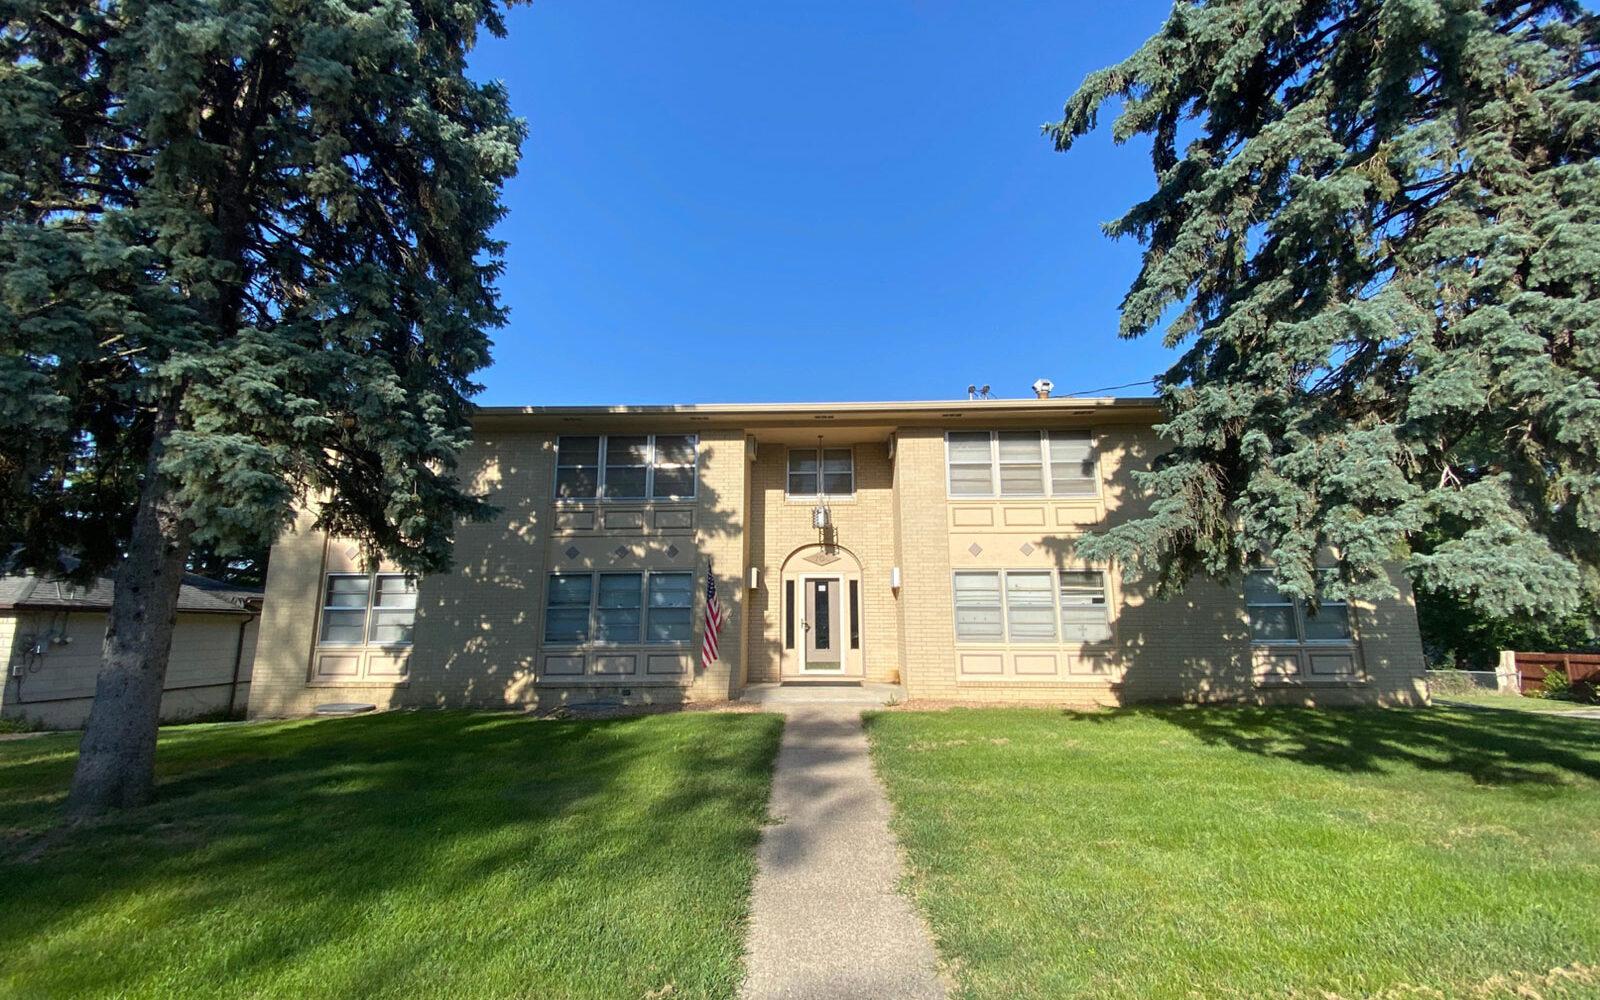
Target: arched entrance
<point>821,614</point>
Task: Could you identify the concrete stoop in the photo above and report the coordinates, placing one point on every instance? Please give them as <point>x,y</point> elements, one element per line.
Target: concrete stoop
<point>864,695</point>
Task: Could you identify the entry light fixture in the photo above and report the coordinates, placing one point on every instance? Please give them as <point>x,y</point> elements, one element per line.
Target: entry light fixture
<point>821,516</point>
<point>894,579</point>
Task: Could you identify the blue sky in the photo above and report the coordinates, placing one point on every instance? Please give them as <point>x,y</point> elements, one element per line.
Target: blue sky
<point>753,202</point>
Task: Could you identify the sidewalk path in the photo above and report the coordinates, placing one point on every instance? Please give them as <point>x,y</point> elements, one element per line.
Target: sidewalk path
<point>826,922</point>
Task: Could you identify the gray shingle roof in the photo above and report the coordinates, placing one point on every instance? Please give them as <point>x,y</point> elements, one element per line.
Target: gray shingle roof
<point>197,593</point>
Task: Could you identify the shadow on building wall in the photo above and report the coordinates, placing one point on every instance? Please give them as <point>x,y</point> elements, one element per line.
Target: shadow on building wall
<point>480,625</point>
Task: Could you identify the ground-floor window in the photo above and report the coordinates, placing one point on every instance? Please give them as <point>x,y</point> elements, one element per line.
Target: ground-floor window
<point>358,609</point>
<point>619,608</point>
<point>1025,606</point>
<point>1278,620</point>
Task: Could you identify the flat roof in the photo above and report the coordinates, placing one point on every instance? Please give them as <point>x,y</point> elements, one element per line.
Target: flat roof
<point>883,414</point>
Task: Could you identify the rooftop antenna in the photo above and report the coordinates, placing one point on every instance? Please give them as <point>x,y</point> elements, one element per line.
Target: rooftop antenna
<point>977,392</point>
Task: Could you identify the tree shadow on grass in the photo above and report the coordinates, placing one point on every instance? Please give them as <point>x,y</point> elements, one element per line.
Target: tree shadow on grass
<point>1489,748</point>
<point>300,858</point>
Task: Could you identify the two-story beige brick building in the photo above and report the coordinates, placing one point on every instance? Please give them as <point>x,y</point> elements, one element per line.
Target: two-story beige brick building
<point>919,543</point>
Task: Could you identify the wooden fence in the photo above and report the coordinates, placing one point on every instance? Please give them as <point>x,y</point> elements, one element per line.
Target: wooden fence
<point>1532,667</point>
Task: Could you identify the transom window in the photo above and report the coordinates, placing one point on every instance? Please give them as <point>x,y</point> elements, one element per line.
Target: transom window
<point>626,466</point>
<point>1278,620</point>
<point>835,467</point>
<point>1031,605</point>
<point>359,609</point>
<point>619,608</point>
<point>1021,463</point>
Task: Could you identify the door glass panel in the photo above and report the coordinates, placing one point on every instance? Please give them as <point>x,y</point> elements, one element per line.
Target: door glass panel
<point>821,623</point>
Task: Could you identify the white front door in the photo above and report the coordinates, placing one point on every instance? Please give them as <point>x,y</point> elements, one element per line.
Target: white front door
<point>822,621</point>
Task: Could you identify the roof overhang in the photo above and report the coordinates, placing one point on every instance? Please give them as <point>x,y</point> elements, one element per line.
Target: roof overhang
<point>837,422</point>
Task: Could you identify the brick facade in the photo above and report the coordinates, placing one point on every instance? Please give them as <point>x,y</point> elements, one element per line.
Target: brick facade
<point>479,629</point>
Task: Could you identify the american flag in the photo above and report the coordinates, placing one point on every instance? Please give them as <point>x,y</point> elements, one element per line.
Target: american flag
<point>708,647</point>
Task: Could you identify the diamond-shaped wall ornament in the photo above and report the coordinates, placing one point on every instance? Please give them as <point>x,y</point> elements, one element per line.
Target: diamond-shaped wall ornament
<point>975,548</point>
<point>672,552</point>
<point>1027,548</point>
<point>621,550</point>
<point>572,552</point>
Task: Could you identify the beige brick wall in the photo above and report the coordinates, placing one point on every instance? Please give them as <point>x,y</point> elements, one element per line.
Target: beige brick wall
<point>784,544</point>
<point>480,627</point>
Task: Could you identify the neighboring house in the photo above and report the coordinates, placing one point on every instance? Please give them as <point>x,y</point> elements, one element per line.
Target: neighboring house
<point>51,633</point>
<point>939,562</point>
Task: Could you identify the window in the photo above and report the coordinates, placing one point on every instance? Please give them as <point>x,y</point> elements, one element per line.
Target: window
<point>378,609</point>
<point>1030,608</point>
<point>566,613</point>
<point>788,614</point>
<point>971,469</point>
<point>1071,463</point>
<point>979,617</point>
<point>618,612</point>
<point>577,467</point>
<point>836,466</point>
<point>673,468</point>
<point>671,603</point>
<point>1021,463</point>
<point>1023,606</point>
<point>855,614</point>
<point>626,466</point>
<point>619,608</point>
<point>1274,618</point>
<point>1083,607</point>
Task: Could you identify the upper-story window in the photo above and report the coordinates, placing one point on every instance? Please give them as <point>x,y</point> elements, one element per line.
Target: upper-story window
<point>830,470</point>
<point>1277,619</point>
<point>1021,463</point>
<point>626,466</point>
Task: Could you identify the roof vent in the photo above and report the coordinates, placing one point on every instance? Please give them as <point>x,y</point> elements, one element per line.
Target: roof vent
<point>1042,387</point>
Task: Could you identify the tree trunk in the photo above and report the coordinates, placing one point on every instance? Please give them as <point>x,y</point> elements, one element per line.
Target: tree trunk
<point>116,760</point>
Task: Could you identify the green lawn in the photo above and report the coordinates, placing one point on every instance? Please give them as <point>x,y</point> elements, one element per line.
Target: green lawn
<point>403,855</point>
<point>1198,853</point>
<point>1515,703</point>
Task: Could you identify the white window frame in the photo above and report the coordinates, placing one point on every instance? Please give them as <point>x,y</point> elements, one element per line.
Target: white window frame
<point>996,493</point>
<point>652,463</point>
<point>592,640</point>
<point>367,618</point>
<point>1300,609</point>
<point>820,453</point>
<point>1104,606</point>
<point>1059,638</point>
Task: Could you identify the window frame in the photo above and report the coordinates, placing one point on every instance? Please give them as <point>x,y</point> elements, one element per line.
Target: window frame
<point>1059,623</point>
<point>591,638</point>
<point>652,463</point>
<point>1299,609</point>
<point>821,473</point>
<point>996,490</point>
<point>368,610</point>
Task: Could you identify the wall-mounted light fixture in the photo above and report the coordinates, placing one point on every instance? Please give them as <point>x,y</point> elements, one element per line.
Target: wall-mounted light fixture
<point>755,578</point>
<point>894,579</point>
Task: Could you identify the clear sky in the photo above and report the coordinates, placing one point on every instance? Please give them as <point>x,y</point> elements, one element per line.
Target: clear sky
<point>763,202</point>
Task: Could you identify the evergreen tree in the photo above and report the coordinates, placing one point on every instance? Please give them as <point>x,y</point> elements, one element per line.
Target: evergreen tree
<point>245,265</point>
<point>1375,230</point>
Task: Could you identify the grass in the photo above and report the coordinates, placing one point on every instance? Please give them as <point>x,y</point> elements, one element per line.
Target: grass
<point>1226,853</point>
<point>399,855</point>
<point>1515,703</point>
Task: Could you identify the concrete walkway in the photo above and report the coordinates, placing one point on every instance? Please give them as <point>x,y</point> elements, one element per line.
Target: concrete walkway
<point>826,922</point>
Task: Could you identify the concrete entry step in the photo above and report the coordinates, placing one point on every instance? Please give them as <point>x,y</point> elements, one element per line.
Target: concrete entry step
<point>864,695</point>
